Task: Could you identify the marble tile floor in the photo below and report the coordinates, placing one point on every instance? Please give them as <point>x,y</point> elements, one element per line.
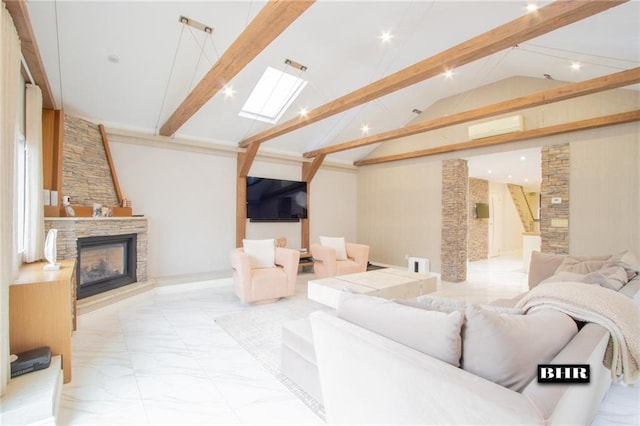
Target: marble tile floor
<point>160,358</point>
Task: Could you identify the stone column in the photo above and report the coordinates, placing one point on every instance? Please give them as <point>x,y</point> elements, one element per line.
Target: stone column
<point>478,235</point>
<point>455,184</point>
<point>554,217</point>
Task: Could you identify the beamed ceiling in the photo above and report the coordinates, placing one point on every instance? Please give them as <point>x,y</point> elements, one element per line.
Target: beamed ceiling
<point>135,66</point>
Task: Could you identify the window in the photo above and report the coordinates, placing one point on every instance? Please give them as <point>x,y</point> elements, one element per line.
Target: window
<point>21,174</point>
<point>21,170</point>
<point>275,92</point>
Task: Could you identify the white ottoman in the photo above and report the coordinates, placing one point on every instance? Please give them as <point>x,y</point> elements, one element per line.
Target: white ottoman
<point>298,360</point>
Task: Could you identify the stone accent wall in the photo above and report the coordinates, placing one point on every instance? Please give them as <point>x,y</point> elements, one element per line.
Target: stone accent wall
<point>455,182</point>
<point>478,236</point>
<point>70,229</point>
<point>86,177</point>
<point>554,218</point>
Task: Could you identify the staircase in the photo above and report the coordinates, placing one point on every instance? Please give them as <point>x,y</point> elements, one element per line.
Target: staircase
<point>522,206</point>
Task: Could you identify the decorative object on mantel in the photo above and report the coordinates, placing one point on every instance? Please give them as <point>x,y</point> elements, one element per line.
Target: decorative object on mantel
<point>97,210</point>
<point>50,250</point>
<point>66,202</point>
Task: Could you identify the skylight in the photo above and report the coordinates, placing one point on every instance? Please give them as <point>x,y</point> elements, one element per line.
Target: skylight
<point>273,94</point>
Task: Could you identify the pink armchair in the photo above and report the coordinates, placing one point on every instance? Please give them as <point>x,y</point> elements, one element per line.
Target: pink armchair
<point>325,264</point>
<point>265,284</point>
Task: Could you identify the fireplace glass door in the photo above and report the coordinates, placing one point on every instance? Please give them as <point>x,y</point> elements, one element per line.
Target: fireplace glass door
<point>105,263</point>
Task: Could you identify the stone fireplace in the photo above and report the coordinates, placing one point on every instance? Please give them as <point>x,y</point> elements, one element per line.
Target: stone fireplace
<point>106,246</point>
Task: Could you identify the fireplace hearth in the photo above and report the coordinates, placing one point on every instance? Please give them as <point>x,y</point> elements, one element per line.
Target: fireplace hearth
<point>105,263</point>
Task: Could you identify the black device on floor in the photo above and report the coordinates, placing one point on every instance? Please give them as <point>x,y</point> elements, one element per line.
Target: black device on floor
<point>33,360</point>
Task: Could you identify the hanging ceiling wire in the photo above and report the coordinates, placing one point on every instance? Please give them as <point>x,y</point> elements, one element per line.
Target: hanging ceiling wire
<point>582,61</point>
<point>581,54</point>
<point>188,23</point>
<point>379,70</point>
<point>166,89</point>
<point>202,46</point>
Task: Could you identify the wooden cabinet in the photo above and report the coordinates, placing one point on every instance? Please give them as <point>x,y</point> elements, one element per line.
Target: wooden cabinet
<point>42,310</point>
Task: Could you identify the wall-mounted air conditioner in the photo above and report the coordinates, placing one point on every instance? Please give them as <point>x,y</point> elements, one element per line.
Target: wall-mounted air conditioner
<point>500,126</point>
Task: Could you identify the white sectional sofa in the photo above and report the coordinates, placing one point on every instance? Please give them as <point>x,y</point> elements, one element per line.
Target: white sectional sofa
<point>365,370</point>
<point>368,378</point>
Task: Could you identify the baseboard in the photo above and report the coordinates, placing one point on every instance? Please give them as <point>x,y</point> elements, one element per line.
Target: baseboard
<point>193,278</point>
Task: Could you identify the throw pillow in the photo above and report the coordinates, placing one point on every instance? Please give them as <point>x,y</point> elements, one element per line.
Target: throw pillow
<point>628,261</point>
<point>262,253</point>
<point>582,264</point>
<point>507,349</point>
<point>435,303</point>
<point>542,266</point>
<point>436,334</point>
<point>447,305</point>
<point>612,276</point>
<point>338,244</point>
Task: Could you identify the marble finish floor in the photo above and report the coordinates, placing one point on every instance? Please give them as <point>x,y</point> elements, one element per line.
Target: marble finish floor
<point>160,358</point>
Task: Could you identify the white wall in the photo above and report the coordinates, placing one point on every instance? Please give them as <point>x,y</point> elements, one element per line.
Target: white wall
<point>604,203</point>
<point>400,211</point>
<point>189,195</point>
<point>506,221</point>
<point>189,199</point>
<point>333,202</point>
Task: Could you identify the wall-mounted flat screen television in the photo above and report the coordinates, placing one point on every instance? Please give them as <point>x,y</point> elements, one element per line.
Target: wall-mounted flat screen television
<point>482,210</point>
<point>276,199</point>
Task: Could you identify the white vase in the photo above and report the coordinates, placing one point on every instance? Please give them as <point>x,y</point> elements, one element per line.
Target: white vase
<point>51,251</point>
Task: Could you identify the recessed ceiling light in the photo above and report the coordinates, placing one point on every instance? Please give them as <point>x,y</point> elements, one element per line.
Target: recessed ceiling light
<point>448,74</point>
<point>228,91</point>
<point>522,158</point>
<point>489,171</point>
<point>365,128</point>
<point>576,66</point>
<point>303,112</point>
<point>510,176</point>
<point>386,36</point>
<point>113,58</point>
<point>526,180</point>
<point>531,7</point>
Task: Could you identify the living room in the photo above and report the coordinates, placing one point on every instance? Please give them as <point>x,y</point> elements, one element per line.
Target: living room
<point>186,186</point>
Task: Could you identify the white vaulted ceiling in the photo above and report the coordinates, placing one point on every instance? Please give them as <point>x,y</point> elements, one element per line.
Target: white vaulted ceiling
<point>338,41</point>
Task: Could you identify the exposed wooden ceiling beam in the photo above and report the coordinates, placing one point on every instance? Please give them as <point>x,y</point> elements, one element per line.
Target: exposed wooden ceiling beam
<point>246,161</point>
<point>568,91</point>
<point>270,22</point>
<point>546,19</point>
<point>310,169</point>
<point>575,126</point>
<point>30,51</point>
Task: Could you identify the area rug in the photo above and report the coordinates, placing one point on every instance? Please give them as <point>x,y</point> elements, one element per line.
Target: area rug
<point>259,331</point>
